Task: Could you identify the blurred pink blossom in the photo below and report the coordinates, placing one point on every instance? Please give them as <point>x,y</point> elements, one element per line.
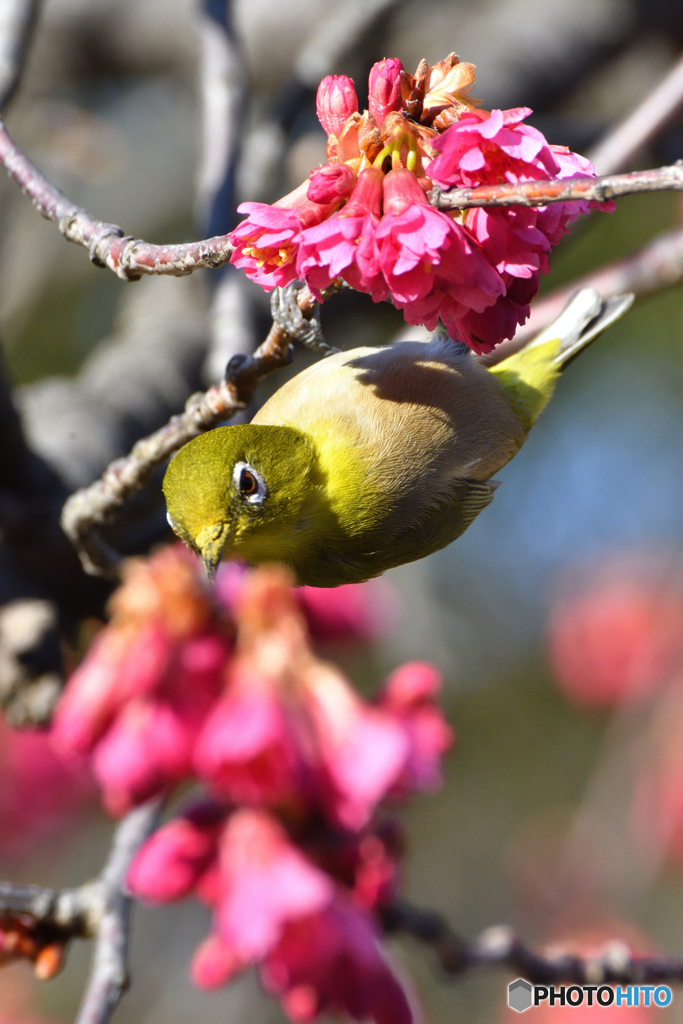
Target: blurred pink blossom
<point>317,949</point>
<point>40,791</point>
<point>289,852</point>
<point>291,732</point>
<point>136,703</point>
<point>619,637</point>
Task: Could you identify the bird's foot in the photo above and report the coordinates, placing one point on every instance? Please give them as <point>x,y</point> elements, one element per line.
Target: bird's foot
<point>285,311</point>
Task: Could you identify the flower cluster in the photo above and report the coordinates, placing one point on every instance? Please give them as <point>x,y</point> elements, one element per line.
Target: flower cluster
<point>224,687</point>
<point>364,216</point>
<point>299,908</point>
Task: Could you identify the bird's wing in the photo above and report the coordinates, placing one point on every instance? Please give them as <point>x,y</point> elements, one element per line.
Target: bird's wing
<point>459,506</point>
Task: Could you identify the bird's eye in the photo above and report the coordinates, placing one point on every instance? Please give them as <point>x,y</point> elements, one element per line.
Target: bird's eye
<point>249,483</point>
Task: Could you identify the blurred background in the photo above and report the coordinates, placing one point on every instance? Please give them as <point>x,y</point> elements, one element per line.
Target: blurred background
<point>556,618</point>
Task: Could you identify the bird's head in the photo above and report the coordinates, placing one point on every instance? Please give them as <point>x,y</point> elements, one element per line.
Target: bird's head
<point>240,491</point>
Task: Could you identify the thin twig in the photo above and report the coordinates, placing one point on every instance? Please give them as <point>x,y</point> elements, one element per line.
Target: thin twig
<point>658,265</point>
<point>620,146</point>
<point>540,193</point>
<point>109,972</point>
<point>97,504</point>
<point>500,946</point>
<point>128,257</point>
<point>66,909</point>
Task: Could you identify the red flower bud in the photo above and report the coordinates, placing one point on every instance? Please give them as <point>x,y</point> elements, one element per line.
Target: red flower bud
<point>385,88</point>
<point>331,183</point>
<point>336,102</point>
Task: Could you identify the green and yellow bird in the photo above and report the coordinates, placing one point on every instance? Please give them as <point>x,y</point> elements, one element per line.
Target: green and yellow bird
<point>372,457</point>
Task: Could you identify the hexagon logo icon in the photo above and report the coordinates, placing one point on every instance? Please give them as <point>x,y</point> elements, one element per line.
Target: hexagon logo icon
<point>519,995</point>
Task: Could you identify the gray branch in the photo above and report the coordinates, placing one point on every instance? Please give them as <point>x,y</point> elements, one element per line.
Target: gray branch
<point>500,946</point>
<point>109,972</point>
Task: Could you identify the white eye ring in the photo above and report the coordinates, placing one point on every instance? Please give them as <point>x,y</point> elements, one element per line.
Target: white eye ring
<point>249,483</point>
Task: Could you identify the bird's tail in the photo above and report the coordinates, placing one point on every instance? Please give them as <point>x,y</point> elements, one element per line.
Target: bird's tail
<point>529,376</point>
<point>585,316</point>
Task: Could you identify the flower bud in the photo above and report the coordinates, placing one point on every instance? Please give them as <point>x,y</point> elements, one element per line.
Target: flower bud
<point>331,183</point>
<point>336,102</point>
<point>385,88</point>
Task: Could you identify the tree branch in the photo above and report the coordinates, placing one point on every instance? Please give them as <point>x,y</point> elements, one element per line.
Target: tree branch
<point>128,257</point>
<point>500,946</point>
<point>540,193</point>
<point>97,504</point>
<point>109,973</point>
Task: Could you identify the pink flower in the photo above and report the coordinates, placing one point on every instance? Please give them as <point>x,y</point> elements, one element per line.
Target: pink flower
<point>318,950</point>
<point>362,750</point>
<point>40,791</point>
<point>427,258</point>
<point>410,694</point>
<point>352,612</point>
<point>483,331</point>
<point>266,882</point>
<point>137,702</point>
<point>266,243</point>
<point>553,219</point>
<point>248,748</point>
<point>171,863</point>
<point>335,102</point>
<point>118,667</point>
<point>482,148</point>
<point>385,88</point>
<point>618,639</point>
<point>332,962</point>
<point>343,245</point>
<point>510,239</point>
<point>290,732</point>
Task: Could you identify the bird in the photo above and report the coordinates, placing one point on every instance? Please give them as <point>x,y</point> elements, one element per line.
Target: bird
<point>371,457</point>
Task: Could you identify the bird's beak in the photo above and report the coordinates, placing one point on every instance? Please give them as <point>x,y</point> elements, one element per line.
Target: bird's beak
<point>211,542</point>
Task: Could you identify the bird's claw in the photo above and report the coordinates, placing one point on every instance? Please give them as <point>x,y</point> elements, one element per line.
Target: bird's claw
<point>286,313</point>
